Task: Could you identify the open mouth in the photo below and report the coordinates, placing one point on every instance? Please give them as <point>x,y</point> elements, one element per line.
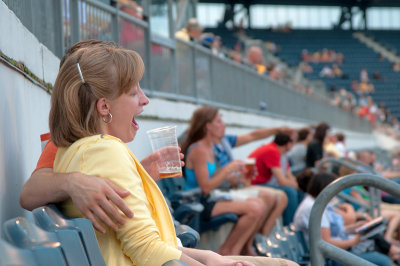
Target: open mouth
<point>135,124</point>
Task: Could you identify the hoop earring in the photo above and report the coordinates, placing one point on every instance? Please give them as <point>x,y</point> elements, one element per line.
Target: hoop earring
<point>109,121</point>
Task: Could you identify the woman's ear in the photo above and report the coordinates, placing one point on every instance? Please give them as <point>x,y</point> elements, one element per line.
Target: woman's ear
<point>103,107</point>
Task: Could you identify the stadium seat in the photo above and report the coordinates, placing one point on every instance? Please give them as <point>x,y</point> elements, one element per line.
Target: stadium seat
<point>265,247</point>
<point>187,210</point>
<point>24,234</point>
<point>188,236</point>
<point>38,256</point>
<point>49,218</point>
<point>173,189</point>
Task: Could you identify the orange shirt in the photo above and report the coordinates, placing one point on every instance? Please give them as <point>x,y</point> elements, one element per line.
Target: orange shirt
<point>48,156</point>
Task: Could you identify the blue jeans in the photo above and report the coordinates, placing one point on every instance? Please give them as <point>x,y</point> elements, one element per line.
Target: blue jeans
<point>373,257</point>
<point>294,198</point>
<point>376,257</point>
<point>392,199</point>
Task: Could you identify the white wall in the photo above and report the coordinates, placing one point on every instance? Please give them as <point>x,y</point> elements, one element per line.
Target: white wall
<point>25,107</point>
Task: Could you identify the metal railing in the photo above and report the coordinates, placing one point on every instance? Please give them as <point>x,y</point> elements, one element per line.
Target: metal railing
<point>176,69</point>
<point>320,248</point>
<point>358,167</point>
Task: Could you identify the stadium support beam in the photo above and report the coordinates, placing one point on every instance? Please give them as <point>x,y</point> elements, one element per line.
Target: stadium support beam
<point>230,13</point>
<point>181,14</point>
<point>348,11</point>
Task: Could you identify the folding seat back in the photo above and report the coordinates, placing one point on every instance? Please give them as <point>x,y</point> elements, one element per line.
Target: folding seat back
<point>51,219</point>
<point>175,263</point>
<point>10,255</point>
<point>24,234</point>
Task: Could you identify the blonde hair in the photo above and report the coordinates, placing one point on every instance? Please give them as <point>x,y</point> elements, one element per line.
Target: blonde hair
<point>108,72</point>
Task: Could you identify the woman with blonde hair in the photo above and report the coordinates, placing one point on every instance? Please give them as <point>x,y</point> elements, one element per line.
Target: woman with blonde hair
<point>95,100</point>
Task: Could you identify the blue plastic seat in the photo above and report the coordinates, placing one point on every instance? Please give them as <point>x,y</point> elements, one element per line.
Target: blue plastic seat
<point>188,236</point>
<point>172,188</point>
<point>39,256</point>
<point>175,263</point>
<point>51,219</point>
<point>24,234</point>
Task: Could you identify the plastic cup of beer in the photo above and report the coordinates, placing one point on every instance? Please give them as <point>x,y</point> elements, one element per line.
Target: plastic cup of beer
<point>164,142</point>
<point>250,166</point>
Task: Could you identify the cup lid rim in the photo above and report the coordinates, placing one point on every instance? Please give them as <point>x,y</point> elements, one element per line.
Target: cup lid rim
<point>160,129</point>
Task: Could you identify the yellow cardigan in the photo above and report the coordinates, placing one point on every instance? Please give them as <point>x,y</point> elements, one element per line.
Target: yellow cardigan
<point>146,239</point>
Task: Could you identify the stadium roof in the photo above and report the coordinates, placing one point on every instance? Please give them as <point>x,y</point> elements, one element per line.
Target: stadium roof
<point>364,3</point>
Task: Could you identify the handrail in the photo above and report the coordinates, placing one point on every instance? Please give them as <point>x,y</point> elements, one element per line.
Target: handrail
<point>364,165</point>
<point>374,194</point>
<point>320,248</point>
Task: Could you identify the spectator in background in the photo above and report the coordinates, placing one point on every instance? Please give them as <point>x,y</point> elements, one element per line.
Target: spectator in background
<point>191,32</point>
<point>236,56</point>
<point>396,67</point>
<point>339,58</point>
<point>355,86</point>
<point>364,75</point>
<point>205,129</point>
<point>132,36</point>
<point>316,57</point>
<point>341,144</point>
<point>325,56</point>
<point>274,171</point>
<point>377,76</point>
<point>326,72</point>
<point>305,67</point>
<point>372,110</point>
<point>333,224</point>
<point>272,47</point>
<point>223,153</point>
<point>297,155</point>
<point>338,72</point>
<point>330,147</point>
<point>276,72</point>
<point>256,59</point>
<point>315,151</point>
<point>305,55</point>
<point>366,87</point>
<point>213,43</point>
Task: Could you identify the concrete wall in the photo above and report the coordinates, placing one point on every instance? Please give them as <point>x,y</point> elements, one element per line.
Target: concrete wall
<point>25,106</point>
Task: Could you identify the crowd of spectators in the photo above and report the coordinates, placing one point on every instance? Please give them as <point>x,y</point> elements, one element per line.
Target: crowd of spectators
<point>356,99</point>
<point>322,56</point>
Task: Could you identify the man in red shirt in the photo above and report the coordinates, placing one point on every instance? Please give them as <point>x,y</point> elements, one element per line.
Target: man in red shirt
<point>274,171</point>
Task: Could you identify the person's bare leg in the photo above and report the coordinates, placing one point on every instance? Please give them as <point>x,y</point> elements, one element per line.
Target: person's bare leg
<point>393,224</point>
<point>265,210</point>
<point>280,202</point>
<point>249,212</point>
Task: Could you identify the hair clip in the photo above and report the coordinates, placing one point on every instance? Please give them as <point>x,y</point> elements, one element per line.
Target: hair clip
<point>80,72</point>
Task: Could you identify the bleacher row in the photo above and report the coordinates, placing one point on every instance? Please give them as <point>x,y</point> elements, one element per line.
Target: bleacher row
<point>51,239</point>
<point>284,242</point>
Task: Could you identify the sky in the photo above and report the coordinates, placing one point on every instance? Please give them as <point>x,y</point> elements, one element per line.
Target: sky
<point>301,16</point>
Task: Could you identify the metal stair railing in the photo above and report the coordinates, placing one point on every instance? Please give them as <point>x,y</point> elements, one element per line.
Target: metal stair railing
<point>319,249</point>
<point>359,167</point>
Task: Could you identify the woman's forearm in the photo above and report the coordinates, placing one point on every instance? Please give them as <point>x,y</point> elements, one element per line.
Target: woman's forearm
<point>194,256</point>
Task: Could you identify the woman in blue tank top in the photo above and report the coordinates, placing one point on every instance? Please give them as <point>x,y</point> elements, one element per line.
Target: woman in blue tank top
<point>206,126</point>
